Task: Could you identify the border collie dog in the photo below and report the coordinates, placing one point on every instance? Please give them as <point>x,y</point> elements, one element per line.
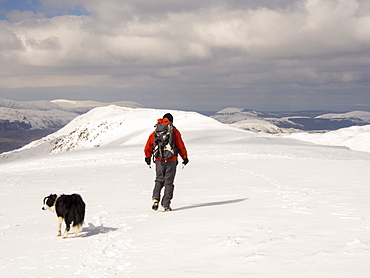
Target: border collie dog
<point>70,208</point>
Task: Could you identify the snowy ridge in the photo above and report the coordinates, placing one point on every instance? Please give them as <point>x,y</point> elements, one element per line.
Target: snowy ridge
<point>70,104</point>
<point>263,126</point>
<point>233,115</point>
<point>255,121</point>
<point>81,107</point>
<point>230,110</point>
<point>114,126</point>
<point>23,122</point>
<point>353,137</point>
<point>61,104</point>
<point>29,105</point>
<point>359,116</point>
<point>37,119</point>
<point>49,114</point>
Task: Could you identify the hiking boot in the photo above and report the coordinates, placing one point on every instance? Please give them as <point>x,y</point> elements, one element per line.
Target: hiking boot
<point>155,204</point>
<point>167,209</point>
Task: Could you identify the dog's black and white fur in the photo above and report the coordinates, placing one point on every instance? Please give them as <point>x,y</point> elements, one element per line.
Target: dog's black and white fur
<point>70,208</point>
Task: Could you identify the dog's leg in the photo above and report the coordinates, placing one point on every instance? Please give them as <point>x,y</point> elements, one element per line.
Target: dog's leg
<point>60,220</point>
<point>68,227</point>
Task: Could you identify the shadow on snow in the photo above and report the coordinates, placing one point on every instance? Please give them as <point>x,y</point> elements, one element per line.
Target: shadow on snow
<point>211,204</point>
<point>95,230</point>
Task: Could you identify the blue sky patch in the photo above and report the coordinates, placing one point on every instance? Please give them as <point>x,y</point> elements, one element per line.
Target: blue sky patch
<point>34,6</point>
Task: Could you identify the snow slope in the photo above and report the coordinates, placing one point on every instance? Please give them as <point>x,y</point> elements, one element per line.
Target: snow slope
<point>354,137</point>
<point>244,206</point>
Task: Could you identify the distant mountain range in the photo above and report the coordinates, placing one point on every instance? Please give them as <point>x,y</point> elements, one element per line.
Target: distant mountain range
<point>290,122</point>
<point>113,126</point>
<point>23,122</point>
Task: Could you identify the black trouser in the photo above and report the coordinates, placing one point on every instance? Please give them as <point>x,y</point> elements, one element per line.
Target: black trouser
<point>165,175</point>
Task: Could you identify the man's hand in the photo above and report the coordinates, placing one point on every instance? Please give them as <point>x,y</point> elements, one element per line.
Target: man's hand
<point>148,160</point>
<point>186,161</point>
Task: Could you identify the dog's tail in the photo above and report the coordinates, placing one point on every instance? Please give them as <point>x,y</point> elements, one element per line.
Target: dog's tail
<point>79,215</point>
<point>77,229</point>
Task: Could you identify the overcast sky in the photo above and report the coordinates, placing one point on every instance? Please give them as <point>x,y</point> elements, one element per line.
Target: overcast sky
<point>190,54</point>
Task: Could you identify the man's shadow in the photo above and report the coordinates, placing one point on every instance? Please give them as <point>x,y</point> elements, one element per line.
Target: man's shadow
<point>211,204</point>
<point>95,230</point>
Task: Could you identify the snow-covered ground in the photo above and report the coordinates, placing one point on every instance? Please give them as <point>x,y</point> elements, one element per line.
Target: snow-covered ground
<point>244,206</point>
<point>354,137</point>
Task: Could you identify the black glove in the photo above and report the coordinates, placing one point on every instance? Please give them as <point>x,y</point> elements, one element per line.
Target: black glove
<point>186,161</point>
<point>148,160</point>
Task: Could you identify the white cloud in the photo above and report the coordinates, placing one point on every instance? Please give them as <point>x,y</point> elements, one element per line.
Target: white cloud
<point>304,42</point>
<point>306,31</point>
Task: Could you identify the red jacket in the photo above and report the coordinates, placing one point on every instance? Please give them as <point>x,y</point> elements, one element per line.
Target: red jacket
<point>149,147</point>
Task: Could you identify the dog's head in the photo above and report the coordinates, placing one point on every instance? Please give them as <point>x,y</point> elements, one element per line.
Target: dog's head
<point>49,202</point>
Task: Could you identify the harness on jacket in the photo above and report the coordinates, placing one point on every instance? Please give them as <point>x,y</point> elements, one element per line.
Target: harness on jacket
<point>164,146</point>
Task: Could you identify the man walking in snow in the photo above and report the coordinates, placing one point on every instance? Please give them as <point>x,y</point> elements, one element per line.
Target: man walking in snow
<point>165,144</point>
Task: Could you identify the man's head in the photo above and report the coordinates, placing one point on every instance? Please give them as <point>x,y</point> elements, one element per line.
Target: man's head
<point>169,117</point>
